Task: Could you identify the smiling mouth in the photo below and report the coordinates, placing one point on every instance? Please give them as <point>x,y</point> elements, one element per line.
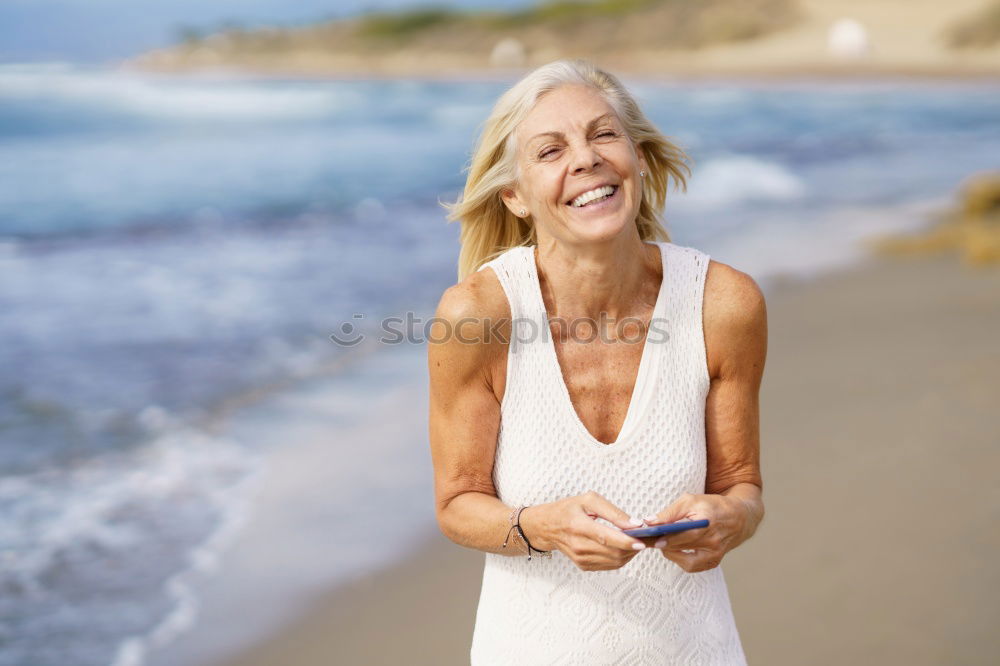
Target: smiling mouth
<point>594,202</point>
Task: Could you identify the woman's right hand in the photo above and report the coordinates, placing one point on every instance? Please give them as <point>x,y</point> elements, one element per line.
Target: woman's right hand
<point>569,525</point>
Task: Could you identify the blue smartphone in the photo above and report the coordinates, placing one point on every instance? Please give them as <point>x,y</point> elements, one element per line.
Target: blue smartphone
<point>667,528</point>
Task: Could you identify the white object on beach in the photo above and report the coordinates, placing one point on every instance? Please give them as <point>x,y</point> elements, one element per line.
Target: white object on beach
<point>848,39</point>
<point>508,52</point>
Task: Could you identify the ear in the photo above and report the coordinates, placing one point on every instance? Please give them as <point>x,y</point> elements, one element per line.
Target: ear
<point>643,165</point>
<point>513,201</point>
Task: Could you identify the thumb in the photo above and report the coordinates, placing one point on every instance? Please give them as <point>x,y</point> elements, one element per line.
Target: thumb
<point>676,511</point>
<point>596,505</point>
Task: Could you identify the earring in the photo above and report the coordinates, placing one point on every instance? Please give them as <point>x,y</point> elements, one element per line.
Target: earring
<point>522,211</point>
<point>642,174</point>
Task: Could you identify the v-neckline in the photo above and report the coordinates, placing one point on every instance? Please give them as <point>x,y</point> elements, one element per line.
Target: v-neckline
<point>637,401</point>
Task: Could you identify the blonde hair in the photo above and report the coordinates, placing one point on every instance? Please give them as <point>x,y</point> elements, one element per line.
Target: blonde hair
<point>489,228</point>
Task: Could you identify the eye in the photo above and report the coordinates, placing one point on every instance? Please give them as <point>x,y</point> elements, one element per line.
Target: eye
<point>552,150</point>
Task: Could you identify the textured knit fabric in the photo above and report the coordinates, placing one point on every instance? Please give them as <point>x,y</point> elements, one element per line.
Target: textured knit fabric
<point>650,611</point>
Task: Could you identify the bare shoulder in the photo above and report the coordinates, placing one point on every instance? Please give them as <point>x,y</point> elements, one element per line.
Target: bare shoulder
<point>735,318</point>
<point>471,330</point>
<point>479,295</point>
<point>731,294</point>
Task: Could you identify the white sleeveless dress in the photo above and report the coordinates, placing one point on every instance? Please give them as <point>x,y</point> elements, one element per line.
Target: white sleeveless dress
<point>650,611</point>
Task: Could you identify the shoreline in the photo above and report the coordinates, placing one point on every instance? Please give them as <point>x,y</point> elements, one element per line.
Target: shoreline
<point>747,76</point>
<point>401,611</point>
<point>897,433</point>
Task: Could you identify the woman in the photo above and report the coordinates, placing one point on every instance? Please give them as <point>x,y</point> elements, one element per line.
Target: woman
<point>548,441</point>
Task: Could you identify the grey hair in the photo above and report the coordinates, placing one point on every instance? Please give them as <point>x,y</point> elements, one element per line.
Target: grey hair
<point>488,227</point>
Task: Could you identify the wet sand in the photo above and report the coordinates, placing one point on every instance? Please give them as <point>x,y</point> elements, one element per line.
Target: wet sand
<point>880,434</point>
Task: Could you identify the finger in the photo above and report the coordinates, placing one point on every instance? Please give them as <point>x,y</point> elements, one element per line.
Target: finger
<point>611,537</point>
<point>677,510</point>
<point>692,560</point>
<point>683,560</point>
<point>674,543</point>
<point>704,563</point>
<point>688,538</point>
<point>596,505</point>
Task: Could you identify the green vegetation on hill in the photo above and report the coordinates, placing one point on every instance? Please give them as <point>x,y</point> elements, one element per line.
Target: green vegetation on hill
<point>557,10</point>
<point>405,23</point>
<point>572,25</point>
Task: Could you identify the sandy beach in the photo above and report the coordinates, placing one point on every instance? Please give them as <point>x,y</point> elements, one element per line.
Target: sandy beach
<point>879,433</point>
<point>886,39</point>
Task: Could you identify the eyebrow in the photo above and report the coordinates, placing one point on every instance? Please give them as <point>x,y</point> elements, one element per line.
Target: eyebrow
<point>560,134</point>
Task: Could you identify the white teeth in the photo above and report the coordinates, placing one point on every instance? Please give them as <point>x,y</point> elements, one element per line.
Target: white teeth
<point>597,193</point>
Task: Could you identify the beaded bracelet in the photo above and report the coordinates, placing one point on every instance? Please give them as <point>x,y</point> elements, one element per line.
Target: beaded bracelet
<point>515,520</point>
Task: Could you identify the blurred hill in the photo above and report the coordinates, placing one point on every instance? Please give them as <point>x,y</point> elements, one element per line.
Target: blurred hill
<point>678,37</point>
<point>971,228</point>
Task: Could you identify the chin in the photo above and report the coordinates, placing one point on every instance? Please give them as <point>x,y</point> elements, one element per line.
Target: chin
<point>601,230</point>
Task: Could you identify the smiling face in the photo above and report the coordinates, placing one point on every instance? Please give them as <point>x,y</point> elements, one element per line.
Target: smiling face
<point>570,143</point>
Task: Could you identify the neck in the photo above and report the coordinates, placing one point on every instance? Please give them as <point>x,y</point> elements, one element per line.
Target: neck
<point>584,280</point>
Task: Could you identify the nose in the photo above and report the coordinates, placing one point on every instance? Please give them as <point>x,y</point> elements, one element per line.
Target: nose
<point>584,157</point>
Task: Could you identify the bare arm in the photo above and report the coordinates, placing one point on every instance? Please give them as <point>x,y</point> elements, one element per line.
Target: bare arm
<point>464,426</point>
<point>736,338</point>
<point>465,416</point>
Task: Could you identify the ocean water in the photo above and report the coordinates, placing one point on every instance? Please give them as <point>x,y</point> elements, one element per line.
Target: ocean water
<point>175,253</point>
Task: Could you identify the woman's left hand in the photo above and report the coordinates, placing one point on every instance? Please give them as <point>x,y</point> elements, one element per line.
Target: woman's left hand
<point>728,519</point>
